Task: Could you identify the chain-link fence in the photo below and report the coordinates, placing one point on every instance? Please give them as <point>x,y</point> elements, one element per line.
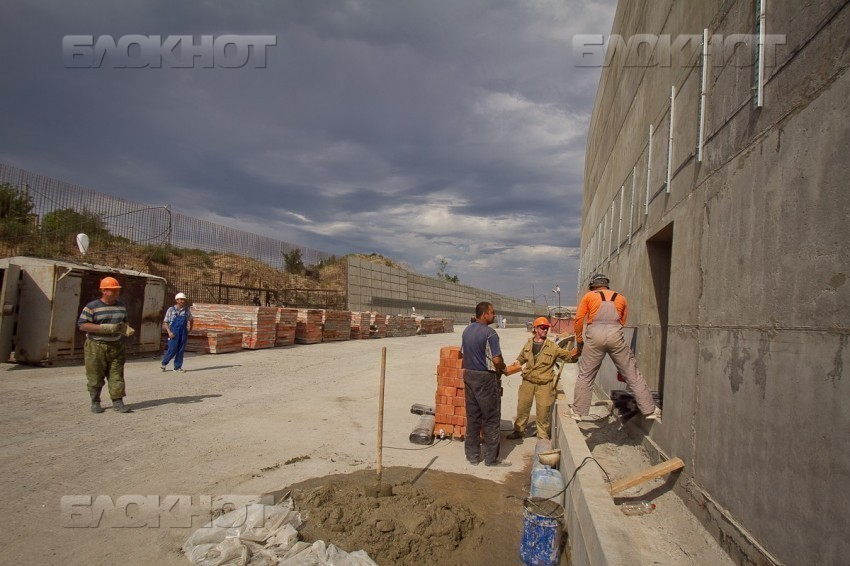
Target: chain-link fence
<point>41,217</point>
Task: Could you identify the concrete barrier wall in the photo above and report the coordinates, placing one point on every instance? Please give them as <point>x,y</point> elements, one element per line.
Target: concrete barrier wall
<point>377,287</point>
<point>736,272</point>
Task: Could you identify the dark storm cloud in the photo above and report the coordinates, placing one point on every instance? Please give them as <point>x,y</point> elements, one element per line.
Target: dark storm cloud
<point>422,130</point>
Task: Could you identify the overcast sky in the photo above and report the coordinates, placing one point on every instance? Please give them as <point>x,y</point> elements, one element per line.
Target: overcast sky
<point>416,129</point>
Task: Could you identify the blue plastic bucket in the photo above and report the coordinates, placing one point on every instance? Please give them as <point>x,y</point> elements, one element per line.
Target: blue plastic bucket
<point>541,532</point>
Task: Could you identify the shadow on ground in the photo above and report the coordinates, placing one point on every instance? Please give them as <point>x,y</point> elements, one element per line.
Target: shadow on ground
<point>189,399</point>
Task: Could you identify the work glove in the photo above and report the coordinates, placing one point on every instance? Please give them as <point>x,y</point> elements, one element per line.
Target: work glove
<point>121,328</point>
<point>108,329</point>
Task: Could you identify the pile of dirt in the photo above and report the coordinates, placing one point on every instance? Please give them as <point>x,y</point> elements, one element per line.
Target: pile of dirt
<point>441,518</point>
<point>411,524</point>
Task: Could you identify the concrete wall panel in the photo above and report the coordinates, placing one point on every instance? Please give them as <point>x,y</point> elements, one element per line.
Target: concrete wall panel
<point>759,301</point>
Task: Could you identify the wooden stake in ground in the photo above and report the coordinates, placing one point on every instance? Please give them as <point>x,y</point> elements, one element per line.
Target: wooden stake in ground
<point>381,416</point>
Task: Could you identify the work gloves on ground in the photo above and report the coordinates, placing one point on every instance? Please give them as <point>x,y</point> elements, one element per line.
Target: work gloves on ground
<point>121,328</point>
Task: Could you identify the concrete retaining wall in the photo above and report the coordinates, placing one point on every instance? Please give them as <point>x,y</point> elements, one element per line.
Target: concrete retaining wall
<point>737,272</point>
<point>378,287</point>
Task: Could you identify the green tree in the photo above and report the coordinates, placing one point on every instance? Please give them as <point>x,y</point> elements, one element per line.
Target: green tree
<point>293,262</point>
<point>15,212</point>
<point>443,274</point>
<point>60,224</point>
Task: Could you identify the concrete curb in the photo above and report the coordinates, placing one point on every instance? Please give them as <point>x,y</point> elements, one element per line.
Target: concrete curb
<point>596,534</point>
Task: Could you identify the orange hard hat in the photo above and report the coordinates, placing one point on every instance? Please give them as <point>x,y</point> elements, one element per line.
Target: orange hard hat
<point>109,283</point>
<point>541,321</point>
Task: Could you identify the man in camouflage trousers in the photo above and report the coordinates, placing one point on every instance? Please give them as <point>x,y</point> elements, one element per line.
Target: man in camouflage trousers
<point>104,321</point>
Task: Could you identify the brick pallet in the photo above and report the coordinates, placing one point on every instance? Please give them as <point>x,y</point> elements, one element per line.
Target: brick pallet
<point>257,324</point>
<point>379,321</point>
<point>431,326</point>
<point>449,401</point>
<point>285,326</point>
<point>214,341</point>
<point>398,326</point>
<point>448,325</point>
<point>360,322</point>
<point>308,329</point>
<point>336,326</point>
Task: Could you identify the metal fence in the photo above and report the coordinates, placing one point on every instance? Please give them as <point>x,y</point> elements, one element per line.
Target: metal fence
<point>41,217</point>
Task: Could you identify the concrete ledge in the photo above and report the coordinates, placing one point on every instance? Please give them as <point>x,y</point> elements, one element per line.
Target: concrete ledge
<point>596,534</point>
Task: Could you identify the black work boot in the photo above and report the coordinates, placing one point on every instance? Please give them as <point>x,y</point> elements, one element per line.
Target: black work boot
<point>120,406</point>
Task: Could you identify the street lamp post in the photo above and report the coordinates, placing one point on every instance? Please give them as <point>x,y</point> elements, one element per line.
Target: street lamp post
<point>557,291</point>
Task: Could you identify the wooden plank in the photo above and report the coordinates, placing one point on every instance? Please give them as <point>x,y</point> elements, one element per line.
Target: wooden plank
<point>655,471</point>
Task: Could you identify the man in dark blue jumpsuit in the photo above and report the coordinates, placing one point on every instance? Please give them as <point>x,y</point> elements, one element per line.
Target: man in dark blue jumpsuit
<point>178,322</point>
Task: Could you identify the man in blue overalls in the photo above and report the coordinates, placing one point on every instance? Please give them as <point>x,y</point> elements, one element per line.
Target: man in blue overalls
<point>178,324</point>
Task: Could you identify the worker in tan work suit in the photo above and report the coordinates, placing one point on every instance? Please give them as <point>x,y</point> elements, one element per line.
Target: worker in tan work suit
<point>538,357</point>
<point>602,315</point>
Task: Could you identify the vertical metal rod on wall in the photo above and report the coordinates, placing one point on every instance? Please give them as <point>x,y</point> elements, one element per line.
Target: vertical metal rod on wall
<point>702,94</point>
<point>762,22</point>
<point>620,223</point>
<point>648,171</point>
<point>632,204</point>
<point>670,137</point>
<point>611,235</point>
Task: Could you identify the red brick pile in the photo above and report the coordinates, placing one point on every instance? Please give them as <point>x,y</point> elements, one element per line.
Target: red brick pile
<point>214,341</point>
<point>431,326</point>
<point>285,326</point>
<point>379,321</point>
<point>448,325</point>
<point>450,405</point>
<point>308,329</point>
<point>398,326</point>
<point>360,322</point>
<point>336,326</point>
<point>257,324</point>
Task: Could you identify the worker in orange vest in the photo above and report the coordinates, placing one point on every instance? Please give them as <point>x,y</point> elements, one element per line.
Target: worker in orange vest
<point>602,316</point>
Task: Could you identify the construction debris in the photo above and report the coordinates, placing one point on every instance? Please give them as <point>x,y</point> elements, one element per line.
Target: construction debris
<point>658,470</point>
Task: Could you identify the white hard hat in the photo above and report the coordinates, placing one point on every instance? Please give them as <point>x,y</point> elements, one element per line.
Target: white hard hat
<point>179,296</point>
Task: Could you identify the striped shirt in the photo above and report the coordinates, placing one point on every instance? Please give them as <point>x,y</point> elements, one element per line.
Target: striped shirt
<point>99,312</point>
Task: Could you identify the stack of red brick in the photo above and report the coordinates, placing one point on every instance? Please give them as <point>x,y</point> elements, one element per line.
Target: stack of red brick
<point>214,341</point>
<point>398,326</point>
<point>360,322</point>
<point>336,326</point>
<point>450,404</point>
<point>308,329</point>
<point>379,321</point>
<point>431,325</point>
<point>257,324</point>
<point>285,324</point>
